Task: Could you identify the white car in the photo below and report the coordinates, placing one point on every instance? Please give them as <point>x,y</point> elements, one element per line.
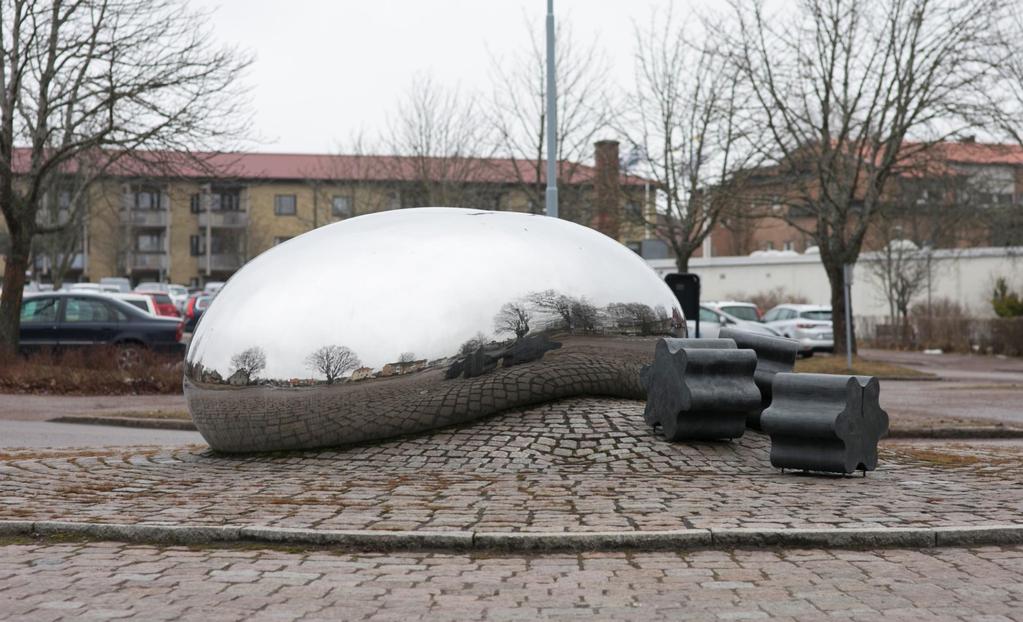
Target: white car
<point>810,325</point>
<point>140,301</point>
<point>712,320</point>
<point>746,311</point>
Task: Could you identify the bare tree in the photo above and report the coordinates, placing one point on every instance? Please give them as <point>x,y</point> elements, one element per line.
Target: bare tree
<point>686,129</point>
<point>406,357</point>
<point>519,114</point>
<point>333,361</point>
<point>250,361</point>
<point>441,138</point>
<point>932,206</point>
<point>104,79</point>
<point>842,87</point>
<point>513,317</point>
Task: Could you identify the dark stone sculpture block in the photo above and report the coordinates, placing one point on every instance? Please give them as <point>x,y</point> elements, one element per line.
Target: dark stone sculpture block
<point>699,393</point>
<point>685,342</point>
<point>824,422</point>
<point>775,355</point>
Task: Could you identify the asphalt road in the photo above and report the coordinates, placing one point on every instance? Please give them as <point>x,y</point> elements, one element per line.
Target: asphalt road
<point>971,387</point>
<point>46,434</point>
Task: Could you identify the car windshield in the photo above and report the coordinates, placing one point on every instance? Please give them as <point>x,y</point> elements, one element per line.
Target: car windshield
<point>742,312</point>
<point>162,299</point>
<point>178,290</point>
<point>816,315</point>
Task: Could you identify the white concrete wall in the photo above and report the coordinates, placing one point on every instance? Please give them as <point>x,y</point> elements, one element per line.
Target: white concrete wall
<point>966,275</point>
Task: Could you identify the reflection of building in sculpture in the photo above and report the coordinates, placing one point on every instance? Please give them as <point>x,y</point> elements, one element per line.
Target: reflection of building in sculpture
<point>362,373</point>
<point>402,367</point>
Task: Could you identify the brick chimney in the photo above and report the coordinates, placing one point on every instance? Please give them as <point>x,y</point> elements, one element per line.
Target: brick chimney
<point>607,189</point>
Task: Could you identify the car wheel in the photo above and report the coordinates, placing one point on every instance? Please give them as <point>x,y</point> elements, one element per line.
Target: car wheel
<point>129,356</point>
<point>808,354</point>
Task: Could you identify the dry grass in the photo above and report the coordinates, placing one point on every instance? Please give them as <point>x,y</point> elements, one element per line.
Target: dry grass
<point>92,371</point>
<point>861,367</point>
<point>179,415</point>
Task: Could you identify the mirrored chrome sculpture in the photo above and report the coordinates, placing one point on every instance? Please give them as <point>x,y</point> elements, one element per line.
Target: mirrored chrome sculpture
<point>409,320</point>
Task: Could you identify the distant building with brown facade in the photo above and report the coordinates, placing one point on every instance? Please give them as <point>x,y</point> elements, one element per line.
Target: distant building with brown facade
<point>989,176</point>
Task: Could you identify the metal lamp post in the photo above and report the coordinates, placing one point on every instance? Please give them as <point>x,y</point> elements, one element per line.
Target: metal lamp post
<point>552,119</point>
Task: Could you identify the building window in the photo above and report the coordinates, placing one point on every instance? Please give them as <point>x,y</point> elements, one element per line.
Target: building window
<point>281,239</point>
<point>768,246</point>
<point>147,197</point>
<point>195,203</point>
<point>149,242</point>
<point>633,211</point>
<point>341,206</point>
<point>285,204</point>
<point>197,245</point>
<point>789,246</point>
<point>394,200</point>
<point>229,200</point>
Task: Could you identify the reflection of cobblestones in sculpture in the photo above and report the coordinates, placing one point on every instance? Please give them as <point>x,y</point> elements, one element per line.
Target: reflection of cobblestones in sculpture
<point>775,355</point>
<point>701,393</point>
<point>823,422</point>
<point>269,418</point>
<point>379,325</point>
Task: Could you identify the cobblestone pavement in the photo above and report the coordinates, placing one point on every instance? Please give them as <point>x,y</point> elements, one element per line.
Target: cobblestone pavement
<point>577,465</point>
<point>42,582</point>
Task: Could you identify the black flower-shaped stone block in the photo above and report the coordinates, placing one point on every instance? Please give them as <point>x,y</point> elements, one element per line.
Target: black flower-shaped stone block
<point>824,422</point>
<point>775,355</point>
<point>700,393</point>
<point>646,373</point>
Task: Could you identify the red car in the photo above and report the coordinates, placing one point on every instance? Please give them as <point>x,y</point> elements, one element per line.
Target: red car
<point>164,304</point>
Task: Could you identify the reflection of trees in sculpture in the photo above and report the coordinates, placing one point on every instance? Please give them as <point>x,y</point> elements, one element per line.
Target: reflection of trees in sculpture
<point>406,357</point>
<point>250,361</point>
<point>473,344</point>
<point>572,313</point>
<point>637,315</point>
<point>332,361</point>
<point>513,317</point>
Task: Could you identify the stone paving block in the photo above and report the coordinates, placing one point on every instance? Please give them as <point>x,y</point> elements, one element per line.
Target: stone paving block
<point>825,422</point>
<point>701,393</point>
<point>775,355</point>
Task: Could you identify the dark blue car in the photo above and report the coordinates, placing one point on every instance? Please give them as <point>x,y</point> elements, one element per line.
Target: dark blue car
<point>62,320</point>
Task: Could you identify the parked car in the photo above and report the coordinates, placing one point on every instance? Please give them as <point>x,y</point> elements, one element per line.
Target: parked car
<point>178,293</point>
<point>197,304</point>
<point>712,320</point>
<point>62,320</point>
<point>808,324</point>
<point>164,304</point>
<point>140,301</point>
<point>212,287</point>
<point>122,284</point>
<point>746,311</point>
<point>84,287</point>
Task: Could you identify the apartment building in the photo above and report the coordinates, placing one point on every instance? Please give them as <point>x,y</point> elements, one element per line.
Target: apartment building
<point>988,176</point>
<point>194,224</point>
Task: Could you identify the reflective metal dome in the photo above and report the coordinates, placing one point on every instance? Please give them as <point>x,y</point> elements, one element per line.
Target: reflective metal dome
<point>408,320</point>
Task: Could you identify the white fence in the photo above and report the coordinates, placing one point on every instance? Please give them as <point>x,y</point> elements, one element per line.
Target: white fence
<point>965,275</point>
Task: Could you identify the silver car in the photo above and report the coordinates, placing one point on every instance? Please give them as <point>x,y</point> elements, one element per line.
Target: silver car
<point>712,320</point>
<point>810,325</point>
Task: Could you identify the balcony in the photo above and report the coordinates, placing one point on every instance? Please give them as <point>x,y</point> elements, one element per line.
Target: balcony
<point>148,261</point>
<point>145,218</point>
<point>223,219</point>
<point>222,261</point>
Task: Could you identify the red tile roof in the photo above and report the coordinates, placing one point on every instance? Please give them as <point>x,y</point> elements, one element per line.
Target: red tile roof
<point>326,167</point>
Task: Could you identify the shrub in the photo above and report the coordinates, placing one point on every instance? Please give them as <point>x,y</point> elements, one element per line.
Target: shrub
<point>947,326</point>
<point>1006,303</point>
<point>90,371</point>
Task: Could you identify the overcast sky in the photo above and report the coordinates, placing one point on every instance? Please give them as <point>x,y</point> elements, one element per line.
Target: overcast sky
<point>326,69</point>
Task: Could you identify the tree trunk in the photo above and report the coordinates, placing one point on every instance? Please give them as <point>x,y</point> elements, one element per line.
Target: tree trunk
<point>682,263</point>
<point>15,265</point>
<point>836,278</point>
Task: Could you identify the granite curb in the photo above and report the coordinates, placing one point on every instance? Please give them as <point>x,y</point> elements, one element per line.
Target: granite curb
<point>127,422</point>
<point>526,542</point>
